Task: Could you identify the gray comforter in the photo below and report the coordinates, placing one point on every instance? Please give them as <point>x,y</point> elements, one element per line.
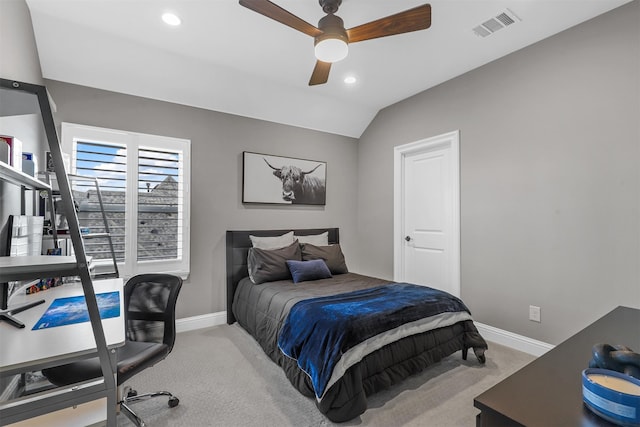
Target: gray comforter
<point>262,310</point>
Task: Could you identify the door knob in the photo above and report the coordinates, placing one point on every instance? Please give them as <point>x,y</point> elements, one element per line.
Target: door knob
<point>407,238</point>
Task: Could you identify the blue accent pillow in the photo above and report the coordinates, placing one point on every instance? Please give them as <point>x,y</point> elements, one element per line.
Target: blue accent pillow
<point>302,271</point>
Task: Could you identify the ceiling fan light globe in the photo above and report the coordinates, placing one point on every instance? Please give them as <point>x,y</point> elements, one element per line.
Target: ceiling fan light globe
<point>331,50</point>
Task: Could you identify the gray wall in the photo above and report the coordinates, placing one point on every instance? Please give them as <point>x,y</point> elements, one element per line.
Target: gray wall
<point>549,140</point>
<point>217,143</point>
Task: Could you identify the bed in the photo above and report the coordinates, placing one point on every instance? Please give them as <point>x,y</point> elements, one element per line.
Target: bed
<point>380,360</point>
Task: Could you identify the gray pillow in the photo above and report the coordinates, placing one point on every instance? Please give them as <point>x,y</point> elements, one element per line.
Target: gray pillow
<point>266,265</point>
<point>332,256</point>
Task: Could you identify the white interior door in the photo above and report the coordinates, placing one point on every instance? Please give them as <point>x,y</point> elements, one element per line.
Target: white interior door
<point>427,213</point>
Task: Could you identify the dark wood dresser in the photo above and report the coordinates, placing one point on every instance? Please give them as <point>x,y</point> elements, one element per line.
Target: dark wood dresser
<point>548,391</point>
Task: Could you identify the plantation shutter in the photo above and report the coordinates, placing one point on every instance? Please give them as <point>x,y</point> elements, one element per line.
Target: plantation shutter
<point>144,182</point>
<point>160,201</point>
<point>108,163</point>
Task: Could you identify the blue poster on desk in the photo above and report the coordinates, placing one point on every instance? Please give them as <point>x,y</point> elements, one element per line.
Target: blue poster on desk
<point>70,310</point>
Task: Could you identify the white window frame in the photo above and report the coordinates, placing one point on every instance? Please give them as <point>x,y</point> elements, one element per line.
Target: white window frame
<point>71,133</point>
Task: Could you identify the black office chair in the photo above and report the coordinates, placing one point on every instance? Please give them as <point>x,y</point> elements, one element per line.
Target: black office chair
<point>150,307</point>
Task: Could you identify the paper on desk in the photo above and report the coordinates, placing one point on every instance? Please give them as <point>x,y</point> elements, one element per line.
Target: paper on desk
<point>70,310</point>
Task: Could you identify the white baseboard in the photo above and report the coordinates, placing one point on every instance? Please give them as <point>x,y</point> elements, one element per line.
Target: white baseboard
<point>515,341</point>
<point>499,336</point>
<point>201,321</point>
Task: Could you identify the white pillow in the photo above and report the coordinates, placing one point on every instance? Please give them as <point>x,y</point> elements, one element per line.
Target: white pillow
<point>276,242</point>
<point>315,239</point>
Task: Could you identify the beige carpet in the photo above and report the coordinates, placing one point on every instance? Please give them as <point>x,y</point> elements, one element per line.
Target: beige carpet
<point>223,378</point>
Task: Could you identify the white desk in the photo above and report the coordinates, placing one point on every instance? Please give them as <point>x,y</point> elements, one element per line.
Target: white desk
<point>26,350</point>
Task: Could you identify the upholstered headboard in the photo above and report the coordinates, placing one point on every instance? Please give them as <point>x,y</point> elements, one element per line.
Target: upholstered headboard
<point>238,245</point>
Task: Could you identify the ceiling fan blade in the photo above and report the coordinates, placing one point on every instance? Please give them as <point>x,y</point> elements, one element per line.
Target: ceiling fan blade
<point>275,12</point>
<point>320,73</point>
<point>418,18</point>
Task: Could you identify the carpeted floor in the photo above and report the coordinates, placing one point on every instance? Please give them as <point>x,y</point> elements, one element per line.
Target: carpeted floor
<point>223,378</point>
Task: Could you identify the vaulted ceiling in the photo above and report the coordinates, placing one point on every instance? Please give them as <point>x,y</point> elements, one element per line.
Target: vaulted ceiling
<point>225,57</point>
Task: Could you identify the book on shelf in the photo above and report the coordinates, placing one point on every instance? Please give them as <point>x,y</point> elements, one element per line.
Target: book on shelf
<point>46,283</point>
<point>15,151</point>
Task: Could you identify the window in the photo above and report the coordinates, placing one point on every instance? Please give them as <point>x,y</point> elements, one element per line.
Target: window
<point>144,185</point>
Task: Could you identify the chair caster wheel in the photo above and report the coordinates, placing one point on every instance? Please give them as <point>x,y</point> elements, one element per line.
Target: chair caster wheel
<point>132,393</point>
<point>173,402</point>
<point>480,355</point>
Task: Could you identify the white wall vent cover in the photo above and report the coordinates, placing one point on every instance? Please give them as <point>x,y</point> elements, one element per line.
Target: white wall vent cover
<point>498,22</point>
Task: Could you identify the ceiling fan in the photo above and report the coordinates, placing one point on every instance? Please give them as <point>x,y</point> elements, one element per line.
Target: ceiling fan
<point>332,39</point>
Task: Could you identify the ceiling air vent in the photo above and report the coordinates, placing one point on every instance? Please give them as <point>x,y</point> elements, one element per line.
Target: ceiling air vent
<point>496,23</point>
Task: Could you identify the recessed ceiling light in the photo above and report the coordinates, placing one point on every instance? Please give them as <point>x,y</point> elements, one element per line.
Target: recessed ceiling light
<point>171,19</point>
<point>350,80</point>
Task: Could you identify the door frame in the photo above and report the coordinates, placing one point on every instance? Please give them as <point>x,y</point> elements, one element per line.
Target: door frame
<point>450,140</point>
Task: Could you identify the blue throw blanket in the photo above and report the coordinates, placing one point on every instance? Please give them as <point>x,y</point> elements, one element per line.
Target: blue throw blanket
<point>318,331</point>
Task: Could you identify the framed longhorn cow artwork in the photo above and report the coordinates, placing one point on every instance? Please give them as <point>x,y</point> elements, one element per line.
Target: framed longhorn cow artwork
<point>283,180</point>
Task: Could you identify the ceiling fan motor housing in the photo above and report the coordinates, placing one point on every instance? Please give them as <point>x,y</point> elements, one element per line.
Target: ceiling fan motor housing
<point>332,26</point>
<point>330,6</point>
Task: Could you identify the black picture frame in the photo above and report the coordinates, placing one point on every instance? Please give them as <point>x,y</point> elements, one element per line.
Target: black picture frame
<point>271,179</point>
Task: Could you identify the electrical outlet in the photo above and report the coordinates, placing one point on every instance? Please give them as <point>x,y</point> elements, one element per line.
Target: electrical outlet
<point>534,313</point>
